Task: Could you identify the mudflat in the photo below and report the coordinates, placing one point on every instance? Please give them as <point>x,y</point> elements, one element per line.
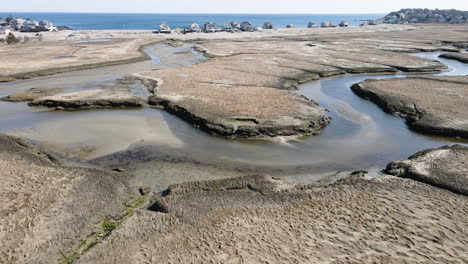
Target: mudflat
<point>97,98</point>
<point>258,219</point>
<point>24,61</point>
<point>461,57</point>
<point>243,91</point>
<point>50,212</point>
<point>431,105</point>
<point>445,167</point>
<point>56,213</point>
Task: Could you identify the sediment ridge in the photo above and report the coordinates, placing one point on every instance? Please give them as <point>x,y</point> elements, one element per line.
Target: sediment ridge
<point>431,105</point>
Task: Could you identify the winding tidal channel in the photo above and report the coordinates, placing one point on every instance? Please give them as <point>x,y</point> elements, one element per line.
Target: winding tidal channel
<point>360,136</point>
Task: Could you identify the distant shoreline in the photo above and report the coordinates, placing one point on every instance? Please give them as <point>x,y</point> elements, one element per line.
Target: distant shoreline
<point>148,21</point>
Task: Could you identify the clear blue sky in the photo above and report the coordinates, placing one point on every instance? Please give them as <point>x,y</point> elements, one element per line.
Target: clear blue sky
<point>232,6</point>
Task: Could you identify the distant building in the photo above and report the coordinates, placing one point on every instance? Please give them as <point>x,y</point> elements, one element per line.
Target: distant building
<point>45,25</point>
<point>210,27</point>
<point>312,25</point>
<point>193,27</point>
<point>227,28</point>
<point>374,22</point>
<point>325,24</point>
<point>290,26</point>
<point>4,30</point>
<point>268,25</point>
<point>235,25</point>
<point>30,25</point>
<point>3,22</point>
<point>165,28</point>
<point>246,26</point>
<point>17,23</point>
<point>344,23</point>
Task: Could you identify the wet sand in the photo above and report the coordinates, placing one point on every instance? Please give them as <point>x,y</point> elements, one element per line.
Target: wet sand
<point>258,219</point>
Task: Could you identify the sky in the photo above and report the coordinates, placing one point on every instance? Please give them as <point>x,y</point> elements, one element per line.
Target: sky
<point>232,6</point>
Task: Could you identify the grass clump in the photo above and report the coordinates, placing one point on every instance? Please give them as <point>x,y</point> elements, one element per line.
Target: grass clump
<point>108,225</point>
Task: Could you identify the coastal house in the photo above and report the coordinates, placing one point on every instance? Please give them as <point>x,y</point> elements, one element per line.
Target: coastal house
<point>45,25</point>
<point>344,23</point>
<point>165,28</point>
<point>17,23</point>
<point>326,24</point>
<point>268,25</point>
<point>4,30</point>
<point>3,22</point>
<point>210,27</point>
<point>235,25</point>
<point>29,25</point>
<point>290,26</point>
<point>193,27</point>
<point>246,26</point>
<point>227,28</point>
<point>312,25</point>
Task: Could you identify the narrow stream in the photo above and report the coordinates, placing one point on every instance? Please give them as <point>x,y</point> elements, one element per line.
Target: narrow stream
<point>360,136</point>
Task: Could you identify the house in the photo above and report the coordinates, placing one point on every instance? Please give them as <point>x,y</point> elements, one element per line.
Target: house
<point>268,25</point>
<point>4,30</point>
<point>29,25</point>
<point>246,26</point>
<point>210,27</point>
<point>235,25</point>
<point>45,25</point>
<point>326,24</point>
<point>312,25</point>
<point>344,23</point>
<point>165,28</point>
<point>290,26</point>
<point>227,28</point>
<point>17,23</point>
<point>193,27</point>
<point>3,22</point>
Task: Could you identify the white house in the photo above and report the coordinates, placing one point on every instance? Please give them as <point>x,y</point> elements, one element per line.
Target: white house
<point>193,27</point>
<point>210,27</point>
<point>227,28</point>
<point>5,30</point>
<point>45,25</point>
<point>29,25</point>
<point>165,28</point>
<point>326,24</point>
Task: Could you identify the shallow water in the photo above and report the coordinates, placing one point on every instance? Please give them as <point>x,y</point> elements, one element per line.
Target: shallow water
<point>360,136</point>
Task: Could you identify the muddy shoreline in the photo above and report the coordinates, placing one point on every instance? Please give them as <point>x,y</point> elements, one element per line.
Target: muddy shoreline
<point>447,119</point>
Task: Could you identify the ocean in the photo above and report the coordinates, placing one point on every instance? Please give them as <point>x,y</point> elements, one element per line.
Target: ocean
<point>90,21</point>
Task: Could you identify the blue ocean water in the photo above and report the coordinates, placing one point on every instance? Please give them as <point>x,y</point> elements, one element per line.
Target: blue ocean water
<point>87,21</point>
